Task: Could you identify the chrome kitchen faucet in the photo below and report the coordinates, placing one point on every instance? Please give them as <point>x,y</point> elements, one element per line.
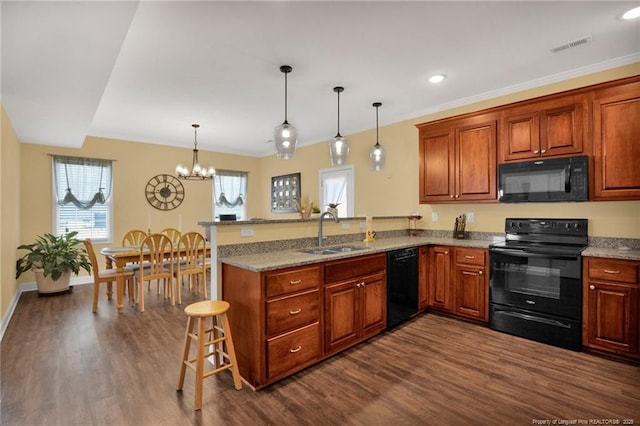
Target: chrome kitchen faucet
<point>335,219</point>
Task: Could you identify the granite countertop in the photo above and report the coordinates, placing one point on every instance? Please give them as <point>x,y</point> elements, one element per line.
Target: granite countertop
<point>283,259</point>
<point>613,253</point>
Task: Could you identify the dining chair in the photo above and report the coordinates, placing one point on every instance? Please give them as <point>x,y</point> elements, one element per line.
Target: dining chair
<point>106,276</point>
<point>191,264</point>
<point>156,258</point>
<point>133,237</point>
<point>173,234</point>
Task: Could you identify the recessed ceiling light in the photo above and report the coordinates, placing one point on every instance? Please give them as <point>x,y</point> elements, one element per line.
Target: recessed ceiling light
<point>631,14</point>
<point>437,78</point>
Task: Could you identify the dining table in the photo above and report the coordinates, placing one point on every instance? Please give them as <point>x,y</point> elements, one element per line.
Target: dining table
<point>119,257</point>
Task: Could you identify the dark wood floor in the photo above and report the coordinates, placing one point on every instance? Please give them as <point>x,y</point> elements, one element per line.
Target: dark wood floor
<point>63,365</point>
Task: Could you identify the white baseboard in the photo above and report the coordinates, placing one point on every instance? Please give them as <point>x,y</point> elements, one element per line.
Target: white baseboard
<point>31,286</point>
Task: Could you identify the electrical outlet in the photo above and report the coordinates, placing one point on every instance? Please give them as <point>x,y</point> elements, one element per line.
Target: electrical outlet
<point>434,216</point>
<point>345,225</point>
<point>363,224</point>
<point>470,217</point>
<point>246,231</point>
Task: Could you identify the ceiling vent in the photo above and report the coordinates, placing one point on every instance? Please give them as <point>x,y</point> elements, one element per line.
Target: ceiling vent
<point>574,43</point>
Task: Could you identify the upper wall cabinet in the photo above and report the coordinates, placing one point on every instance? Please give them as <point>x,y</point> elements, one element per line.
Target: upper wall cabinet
<point>548,128</point>
<point>616,142</point>
<point>458,159</point>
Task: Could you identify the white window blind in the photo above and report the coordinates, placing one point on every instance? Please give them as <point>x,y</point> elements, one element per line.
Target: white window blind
<point>83,197</point>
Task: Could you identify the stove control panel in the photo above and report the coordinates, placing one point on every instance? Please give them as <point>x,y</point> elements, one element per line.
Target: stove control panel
<point>575,227</point>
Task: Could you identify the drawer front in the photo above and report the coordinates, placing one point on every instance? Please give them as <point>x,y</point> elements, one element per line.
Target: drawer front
<point>342,270</point>
<point>288,352</point>
<point>293,280</point>
<point>471,256</point>
<point>611,270</point>
<point>292,312</point>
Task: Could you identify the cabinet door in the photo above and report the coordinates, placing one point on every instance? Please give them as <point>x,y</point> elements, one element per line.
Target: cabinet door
<point>341,321</point>
<point>373,304</point>
<point>519,135</point>
<point>561,126</point>
<point>439,273</point>
<point>612,317</point>
<point>475,169</point>
<point>423,277</point>
<point>470,292</point>
<point>436,150</point>
<point>616,132</point>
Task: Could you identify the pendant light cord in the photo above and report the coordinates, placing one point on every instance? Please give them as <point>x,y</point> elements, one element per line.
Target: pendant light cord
<point>285,97</point>
<point>338,135</point>
<point>377,139</point>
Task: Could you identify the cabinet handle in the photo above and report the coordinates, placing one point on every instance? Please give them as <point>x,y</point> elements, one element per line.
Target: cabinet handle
<point>535,151</point>
<point>452,196</point>
<point>294,350</point>
<point>610,271</point>
<point>543,151</point>
<point>446,252</point>
<point>294,282</point>
<point>466,256</point>
<point>479,272</point>
<point>592,287</point>
<point>295,312</point>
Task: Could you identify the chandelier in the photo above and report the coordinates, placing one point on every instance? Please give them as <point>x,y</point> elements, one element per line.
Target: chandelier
<point>197,172</point>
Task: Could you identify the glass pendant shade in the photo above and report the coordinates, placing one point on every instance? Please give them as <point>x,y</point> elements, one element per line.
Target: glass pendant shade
<point>377,153</point>
<point>338,150</point>
<point>339,146</point>
<point>285,136</point>
<point>377,157</point>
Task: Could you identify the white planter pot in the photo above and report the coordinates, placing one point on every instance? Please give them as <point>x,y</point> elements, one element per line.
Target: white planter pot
<point>46,285</point>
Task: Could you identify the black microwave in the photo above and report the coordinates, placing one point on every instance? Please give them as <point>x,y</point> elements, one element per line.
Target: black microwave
<point>557,179</point>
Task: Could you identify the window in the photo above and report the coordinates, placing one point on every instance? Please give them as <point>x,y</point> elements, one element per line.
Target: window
<point>337,187</point>
<point>230,194</point>
<point>82,197</point>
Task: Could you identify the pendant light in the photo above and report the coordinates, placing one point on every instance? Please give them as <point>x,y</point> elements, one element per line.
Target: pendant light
<point>285,136</point>
<point>339,146</point>
<point>377,153</point>
<point>197,172</point>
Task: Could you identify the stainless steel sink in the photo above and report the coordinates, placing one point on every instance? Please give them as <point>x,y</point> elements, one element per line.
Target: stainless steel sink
<point>331,250</point>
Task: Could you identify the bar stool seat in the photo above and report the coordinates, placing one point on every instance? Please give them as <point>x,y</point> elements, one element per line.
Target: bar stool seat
<point>213,339</point>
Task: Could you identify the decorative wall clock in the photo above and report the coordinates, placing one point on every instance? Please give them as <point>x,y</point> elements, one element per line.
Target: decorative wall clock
<point>164,192</point>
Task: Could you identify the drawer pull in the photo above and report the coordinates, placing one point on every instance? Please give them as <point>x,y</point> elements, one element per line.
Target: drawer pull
<point>592,287</point>
<point>610,271</point>
<point>466,256</point>
<point>294,282</point>
<point>295,312</point>
<point>294,350</point>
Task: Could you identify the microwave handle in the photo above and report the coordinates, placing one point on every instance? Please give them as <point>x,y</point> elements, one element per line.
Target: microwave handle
<point>567,178</point>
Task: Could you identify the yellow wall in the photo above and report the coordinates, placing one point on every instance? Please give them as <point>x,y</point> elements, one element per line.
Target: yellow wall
<point>9,211</point>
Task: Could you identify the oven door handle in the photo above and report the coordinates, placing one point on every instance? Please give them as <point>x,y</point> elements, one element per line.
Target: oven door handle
<point>533,318</point>
<point>524,253</point>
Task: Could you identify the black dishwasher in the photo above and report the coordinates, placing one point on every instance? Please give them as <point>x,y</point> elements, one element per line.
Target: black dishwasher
<point>402,285</point>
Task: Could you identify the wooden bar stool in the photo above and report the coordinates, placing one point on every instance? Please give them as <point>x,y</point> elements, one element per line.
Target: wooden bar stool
<point>211,339</point>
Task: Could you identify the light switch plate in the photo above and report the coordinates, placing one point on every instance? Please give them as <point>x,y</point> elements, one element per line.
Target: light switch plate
<point>471,217</point>
<point>434,216</point>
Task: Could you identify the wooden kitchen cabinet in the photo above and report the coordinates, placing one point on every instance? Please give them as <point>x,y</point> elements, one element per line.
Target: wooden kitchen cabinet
<point>440,286</point>
<point>457,159</point>
<point>546,128</point>
<point>471,283</point>
<point>355,301</point>
<point>616,142</point>
<point>275,319</point>
<point>423,277</point>
<point>611,293</point>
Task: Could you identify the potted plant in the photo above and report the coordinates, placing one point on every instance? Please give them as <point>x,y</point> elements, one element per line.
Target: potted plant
<point>53,259</point>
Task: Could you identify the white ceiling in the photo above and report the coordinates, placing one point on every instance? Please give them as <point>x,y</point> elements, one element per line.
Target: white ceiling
<point>145,71</point>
